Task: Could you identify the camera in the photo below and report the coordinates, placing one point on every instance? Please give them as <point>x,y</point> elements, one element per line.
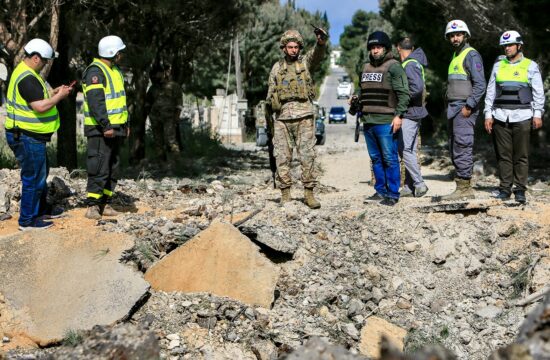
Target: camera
<point>355,106</point>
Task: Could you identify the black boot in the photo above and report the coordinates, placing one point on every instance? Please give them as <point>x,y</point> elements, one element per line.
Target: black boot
<point>519,195</point>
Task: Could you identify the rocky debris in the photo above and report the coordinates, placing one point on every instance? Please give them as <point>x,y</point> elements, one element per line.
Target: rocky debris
<point>533,339</point>
<point>124,341</point>
<point>372,333</point>
<point>318,349</point>
<point>265,350</point>
<point>344,263</point>
<point>221,261</point>
<point>54,282</point>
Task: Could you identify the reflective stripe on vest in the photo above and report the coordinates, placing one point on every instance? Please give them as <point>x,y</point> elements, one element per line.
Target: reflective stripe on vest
<point>20,114</point>
<point>459,85</point>
<point>115,95</point>
<point>377,95</point>
<point>422,100</point>
<point>512,85</point>
<point>419,64</point>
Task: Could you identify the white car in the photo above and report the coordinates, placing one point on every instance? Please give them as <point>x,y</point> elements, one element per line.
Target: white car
<point>344,90</point>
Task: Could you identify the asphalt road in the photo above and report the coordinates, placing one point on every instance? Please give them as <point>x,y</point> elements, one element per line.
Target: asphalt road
<point>337,134</point>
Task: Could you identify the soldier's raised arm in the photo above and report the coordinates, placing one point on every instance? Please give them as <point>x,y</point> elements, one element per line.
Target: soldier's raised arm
<point>315,56</point>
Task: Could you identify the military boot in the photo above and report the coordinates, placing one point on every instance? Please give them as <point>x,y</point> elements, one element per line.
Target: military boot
<point>93,212</point>
<point>107,210</point>
<point>285,195</point>
<point>463,191</point>
<point>310,199</point>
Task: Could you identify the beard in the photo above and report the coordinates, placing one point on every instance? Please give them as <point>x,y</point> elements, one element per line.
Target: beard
<point>379,56</point>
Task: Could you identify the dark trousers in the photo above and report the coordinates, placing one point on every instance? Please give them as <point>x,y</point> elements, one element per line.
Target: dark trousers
<point>461,143</point>
<point>102,164</point>
<point>512,149</point>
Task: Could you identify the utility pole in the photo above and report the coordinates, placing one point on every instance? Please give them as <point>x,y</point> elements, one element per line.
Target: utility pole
<point>238,73</point>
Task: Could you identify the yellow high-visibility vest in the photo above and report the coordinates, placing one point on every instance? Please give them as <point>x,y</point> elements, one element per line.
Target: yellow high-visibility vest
<point>20,114</point>
<point>512,85</point>
<point>459,83</point>
<point>115,95</point>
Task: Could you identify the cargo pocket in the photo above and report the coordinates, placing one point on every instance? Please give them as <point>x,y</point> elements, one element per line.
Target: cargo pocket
<point>93,164</point>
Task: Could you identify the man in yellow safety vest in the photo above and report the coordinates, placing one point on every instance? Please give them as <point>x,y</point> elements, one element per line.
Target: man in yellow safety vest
<point>105,125</point>
<point>465,88</point>
<point>513,105</point>
<point>32,118</point>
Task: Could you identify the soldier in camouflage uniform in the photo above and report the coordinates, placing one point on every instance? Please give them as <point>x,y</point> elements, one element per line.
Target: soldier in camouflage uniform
<point>291,92</point>
<point>163,103</point>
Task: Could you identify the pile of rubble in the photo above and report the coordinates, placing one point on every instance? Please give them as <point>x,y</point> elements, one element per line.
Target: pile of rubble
<point>236,276</point>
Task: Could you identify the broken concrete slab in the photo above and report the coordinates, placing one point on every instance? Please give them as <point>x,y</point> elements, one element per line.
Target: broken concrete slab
<point>473,205</point>
<point>221,261</point>
<point>65,279</point>
<point>271,237</point>
<point>371,336</point>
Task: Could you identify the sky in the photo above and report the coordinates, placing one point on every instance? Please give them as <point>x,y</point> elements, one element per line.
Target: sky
<point>339,12</point>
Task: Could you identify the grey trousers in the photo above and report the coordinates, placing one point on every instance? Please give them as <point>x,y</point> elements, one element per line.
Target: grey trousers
<point>461,143</point>
<point>408,145</point>
<point>512,149</point>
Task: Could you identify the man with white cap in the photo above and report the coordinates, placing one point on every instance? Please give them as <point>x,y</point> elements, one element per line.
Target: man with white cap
<point>465,88</point>
<point>105,125</point>
<point>31,120</point>
<point>513,105</point>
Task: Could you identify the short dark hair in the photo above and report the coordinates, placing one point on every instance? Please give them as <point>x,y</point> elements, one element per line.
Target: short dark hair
<point>406,43</point>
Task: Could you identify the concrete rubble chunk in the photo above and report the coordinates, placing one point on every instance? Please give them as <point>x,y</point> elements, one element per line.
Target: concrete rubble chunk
<point>56,281</point>
<point>221,261</point>
<point>318,349</point>
<point>371,336</point>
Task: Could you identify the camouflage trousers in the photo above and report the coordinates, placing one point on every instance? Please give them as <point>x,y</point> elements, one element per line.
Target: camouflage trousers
<point>300,135</point>
<point>165,134</point>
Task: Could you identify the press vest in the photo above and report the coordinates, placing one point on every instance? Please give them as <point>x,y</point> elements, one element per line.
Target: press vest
<point>115,96</point>
<point>512,85</point>
<point>19,112</point>
<point>459,85</point>
<point>424,91</point>
<point>294,85</point>
<point>377,95</point>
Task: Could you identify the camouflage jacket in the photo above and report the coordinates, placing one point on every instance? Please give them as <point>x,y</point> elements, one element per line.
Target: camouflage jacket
<point>295,109</point>
<point>164,98</point>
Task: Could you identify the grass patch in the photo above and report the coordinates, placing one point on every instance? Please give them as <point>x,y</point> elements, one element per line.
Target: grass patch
<point>72,338</point>
<point>520,278</point>
<point>146,251</point>
<point>418,339</point>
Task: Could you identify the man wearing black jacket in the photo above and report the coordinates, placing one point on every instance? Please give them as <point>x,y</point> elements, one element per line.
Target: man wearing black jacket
<point>105,125</point>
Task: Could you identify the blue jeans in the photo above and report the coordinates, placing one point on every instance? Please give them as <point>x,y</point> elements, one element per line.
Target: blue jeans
<point>383,150</point>
<point>31,156</point>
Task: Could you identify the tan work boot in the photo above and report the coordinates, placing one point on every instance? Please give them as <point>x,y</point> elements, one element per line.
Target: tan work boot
<point>108,210</point>
<point>285,195</point>
<point>93,212</point>
<point>463,191</point>
<point>310,199</point>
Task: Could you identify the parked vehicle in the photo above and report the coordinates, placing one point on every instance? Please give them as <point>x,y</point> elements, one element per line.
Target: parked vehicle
<point>344,90</point>
<point>320,133</point>
<point>337,114</point>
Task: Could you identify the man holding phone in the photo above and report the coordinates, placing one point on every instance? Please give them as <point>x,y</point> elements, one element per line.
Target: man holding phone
<point>32,118</point>
<point>105,125</point>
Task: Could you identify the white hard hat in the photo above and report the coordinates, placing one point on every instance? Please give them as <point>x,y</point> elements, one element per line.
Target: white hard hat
<point>456,26</point>
<point>40,47</point>
<point>109,46</point>
<point>510,37</point>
